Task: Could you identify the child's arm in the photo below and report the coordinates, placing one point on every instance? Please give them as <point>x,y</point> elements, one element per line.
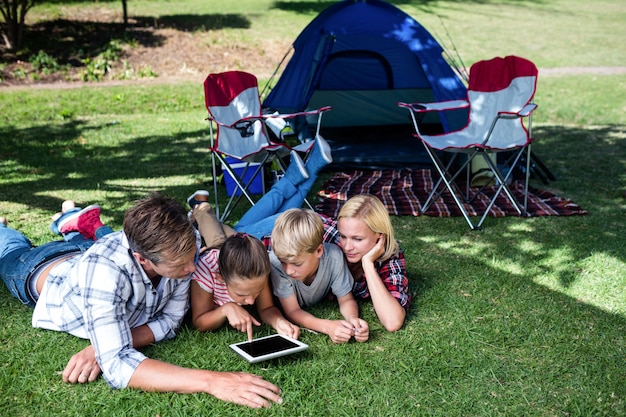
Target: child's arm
<point>206,316</point>
<point>271,315</point>
<point>350,311</point>
<point>340,331</point>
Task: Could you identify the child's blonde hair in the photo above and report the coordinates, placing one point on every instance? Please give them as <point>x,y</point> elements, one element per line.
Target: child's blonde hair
<point>296,231</point>
<point>373,213</point>
<point>243,257</point>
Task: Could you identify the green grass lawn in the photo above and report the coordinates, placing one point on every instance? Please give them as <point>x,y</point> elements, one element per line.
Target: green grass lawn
<point>526,317</point>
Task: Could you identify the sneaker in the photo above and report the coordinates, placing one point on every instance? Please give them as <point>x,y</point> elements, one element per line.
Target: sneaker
<point>86,221</point>
<point>200,196</point>
<point>324,149</point>
<point>67,211</point>
<point>295,159</point>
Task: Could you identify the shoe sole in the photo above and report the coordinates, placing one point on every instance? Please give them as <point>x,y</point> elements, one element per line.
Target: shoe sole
<point>77,214</point>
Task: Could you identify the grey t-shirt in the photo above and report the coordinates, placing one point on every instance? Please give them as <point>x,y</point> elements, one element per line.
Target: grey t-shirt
<point>332,275</point>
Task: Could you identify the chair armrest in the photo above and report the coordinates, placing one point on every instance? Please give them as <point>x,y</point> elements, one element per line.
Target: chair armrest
<point>527,110</point>
<point>524,112</point>
<point>435,106</point>
<point>301,113</point>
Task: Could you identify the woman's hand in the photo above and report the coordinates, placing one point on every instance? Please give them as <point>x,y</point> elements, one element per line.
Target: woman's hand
<point>376,252</point>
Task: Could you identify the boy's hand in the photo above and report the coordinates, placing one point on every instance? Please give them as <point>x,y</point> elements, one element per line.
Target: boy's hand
<point>361,330</point>
<point>240,319</point>
<point>340,331</point>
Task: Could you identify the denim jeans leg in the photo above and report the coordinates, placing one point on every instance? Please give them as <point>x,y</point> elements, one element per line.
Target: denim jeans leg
<point>19,259</point>
<point>268,205</point>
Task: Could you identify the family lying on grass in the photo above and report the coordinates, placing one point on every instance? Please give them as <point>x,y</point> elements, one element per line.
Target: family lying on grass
<point>128,289</point>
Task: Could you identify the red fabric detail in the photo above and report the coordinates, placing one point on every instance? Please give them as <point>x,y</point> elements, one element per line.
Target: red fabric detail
<point>222,88</point>
<point>496,74</point>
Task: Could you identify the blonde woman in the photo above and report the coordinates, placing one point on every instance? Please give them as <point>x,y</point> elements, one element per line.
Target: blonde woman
<point>363,230</point>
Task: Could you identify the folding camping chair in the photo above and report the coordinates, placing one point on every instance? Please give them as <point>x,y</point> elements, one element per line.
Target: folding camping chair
<point>499,97</point>
<point>241,136</point>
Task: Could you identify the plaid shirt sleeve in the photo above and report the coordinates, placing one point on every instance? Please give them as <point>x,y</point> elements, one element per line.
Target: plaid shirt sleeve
<point>393,274</point>
<point>331,233</point>
<point>106,295</point>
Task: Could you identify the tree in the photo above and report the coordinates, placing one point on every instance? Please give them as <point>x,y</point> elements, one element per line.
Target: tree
<point>125,13</point>
<point>14,13</point>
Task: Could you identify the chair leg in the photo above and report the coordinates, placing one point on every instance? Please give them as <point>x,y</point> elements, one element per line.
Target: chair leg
<point>503,186</point>
<point>449,185</point>
<point>241,187</point>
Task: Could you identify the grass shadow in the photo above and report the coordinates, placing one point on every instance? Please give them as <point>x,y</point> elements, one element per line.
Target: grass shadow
<point>57,160</point>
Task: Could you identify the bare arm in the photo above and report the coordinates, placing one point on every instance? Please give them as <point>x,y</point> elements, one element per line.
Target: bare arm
<point>236,387</point>
<point>389,311</point>
<point>203,313</point>
<point>340,331</point>
<point>271,315</point>
<point>206,316</point>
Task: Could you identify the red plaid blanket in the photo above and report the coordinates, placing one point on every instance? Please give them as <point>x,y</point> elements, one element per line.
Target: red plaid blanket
<point>403,192</point>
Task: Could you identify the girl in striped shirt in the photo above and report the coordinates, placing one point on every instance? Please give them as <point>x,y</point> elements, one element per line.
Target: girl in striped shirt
<point>227,280</point>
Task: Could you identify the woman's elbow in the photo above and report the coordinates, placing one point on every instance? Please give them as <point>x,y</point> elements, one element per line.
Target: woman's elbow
<point>395,323</point>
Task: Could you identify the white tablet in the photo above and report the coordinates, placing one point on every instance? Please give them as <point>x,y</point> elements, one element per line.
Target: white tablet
<point>268,347</point>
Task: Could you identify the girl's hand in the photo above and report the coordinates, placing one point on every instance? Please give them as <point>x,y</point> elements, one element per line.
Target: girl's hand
<point>287,328</point>
<point>240,319</point>
<point>377,250</point>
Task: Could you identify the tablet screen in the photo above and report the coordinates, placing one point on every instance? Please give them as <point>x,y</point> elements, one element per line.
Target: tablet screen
<point>268,347</point>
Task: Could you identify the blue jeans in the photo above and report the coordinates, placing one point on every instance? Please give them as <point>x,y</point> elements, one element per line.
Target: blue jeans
<point>259,220</point>
<point>19,259</point>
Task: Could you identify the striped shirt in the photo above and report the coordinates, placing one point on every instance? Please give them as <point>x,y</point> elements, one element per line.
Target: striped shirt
<point>208,277</point>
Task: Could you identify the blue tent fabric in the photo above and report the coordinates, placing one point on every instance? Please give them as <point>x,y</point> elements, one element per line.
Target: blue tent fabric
<point>361,57</point>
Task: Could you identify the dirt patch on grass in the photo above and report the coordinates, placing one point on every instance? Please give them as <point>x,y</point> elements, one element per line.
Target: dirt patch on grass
<point>149,51</point>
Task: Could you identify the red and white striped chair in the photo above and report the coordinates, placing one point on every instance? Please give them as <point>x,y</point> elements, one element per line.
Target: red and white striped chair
<point>499,98</point>
<point>240,132</point>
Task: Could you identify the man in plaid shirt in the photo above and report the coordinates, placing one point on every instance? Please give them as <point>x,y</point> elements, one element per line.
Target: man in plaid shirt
<point>125,291</point>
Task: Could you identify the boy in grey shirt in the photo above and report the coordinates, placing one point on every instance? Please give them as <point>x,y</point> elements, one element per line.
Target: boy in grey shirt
<point>305,270</point>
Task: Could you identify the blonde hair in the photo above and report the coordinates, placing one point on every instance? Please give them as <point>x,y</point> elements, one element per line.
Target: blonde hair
<point>243,257</point>
<point>296,231</point>
<point>371,211</point>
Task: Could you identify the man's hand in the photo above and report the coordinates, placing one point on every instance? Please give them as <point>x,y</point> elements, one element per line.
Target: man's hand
<point>245,389</point>
<point>82,367</point>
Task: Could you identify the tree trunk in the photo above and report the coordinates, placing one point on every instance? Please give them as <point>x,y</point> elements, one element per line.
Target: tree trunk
<point>14,14</point>
<point>125,9</point>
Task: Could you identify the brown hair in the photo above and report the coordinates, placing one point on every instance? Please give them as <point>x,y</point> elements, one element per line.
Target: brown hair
<point>243,257</point>
<point>158,229</point>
